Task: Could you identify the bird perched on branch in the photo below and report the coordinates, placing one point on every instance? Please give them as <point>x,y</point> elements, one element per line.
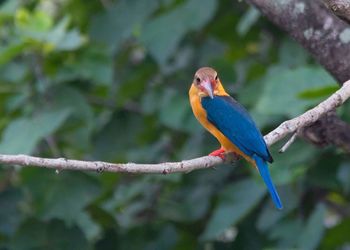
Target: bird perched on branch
<point>231,124</point>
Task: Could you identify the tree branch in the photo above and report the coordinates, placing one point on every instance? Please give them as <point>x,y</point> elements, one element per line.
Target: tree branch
<point>289,142</point>
<point>310,116</point>
<point>99,166</point>
<point>327,38</point>
<point>314,27</point>
<point>287,127</point>
<point>329,130</point>
<point>340,8</point>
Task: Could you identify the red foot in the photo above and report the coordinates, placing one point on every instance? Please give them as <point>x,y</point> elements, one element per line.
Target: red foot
<point>219,153</point>
<point>235,156</point>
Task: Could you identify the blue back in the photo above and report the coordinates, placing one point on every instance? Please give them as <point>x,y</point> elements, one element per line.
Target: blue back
<point>231,118</point>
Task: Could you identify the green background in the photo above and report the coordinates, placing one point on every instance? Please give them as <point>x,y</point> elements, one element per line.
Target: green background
<point>108,80</point>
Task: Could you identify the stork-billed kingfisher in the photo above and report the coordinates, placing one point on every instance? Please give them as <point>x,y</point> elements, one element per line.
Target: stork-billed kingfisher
<point>231,124</point>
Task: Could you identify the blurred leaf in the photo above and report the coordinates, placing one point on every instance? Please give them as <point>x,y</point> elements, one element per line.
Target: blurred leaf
<point>210,51</point>
<point>286,233</point>
<point>13,72</point>
<point>193,147</point>
<point>63,39</point>
<point>109,240</point>
<point>173,110</point>
<point>343,176</point>
<point>314,229</point>
<point>92,65</point>
<point>54,235</point>
<point>10,214</point>
<point>191,15</point>
<point>9,7</point>
<point>192,206</point>
<point>285,171</point>
<point>292,54</point>
<point>121,132</point>
<point>324,172</point>
<point>71,41</point>
<point>9,52</point>
<point>124,194</point>
<point>280,95</point>
<point>131,215</point>
<point>72,190</point>
<point>136,80</point>
<point>270,216</point>
<point>318,92</point>
<point>68,98</point>
<point>152,152</point>
<point>81,120</point>
<point>235,201</point>
<point>149,101</point>
<point>337,236</point>
<point>38,27</point>
<point>250,17</point>
<point>22,135</point>
<point>165,240</point>
<point>33,24</point>
<point>90,228</point>
<point>128,204</point>
<point>120,21</point>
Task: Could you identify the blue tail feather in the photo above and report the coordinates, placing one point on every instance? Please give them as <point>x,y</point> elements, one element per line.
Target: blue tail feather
<point>265,174</point>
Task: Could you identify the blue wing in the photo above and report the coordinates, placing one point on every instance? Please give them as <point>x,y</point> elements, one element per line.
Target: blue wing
<point>231,118</point>
<point>228,116</point>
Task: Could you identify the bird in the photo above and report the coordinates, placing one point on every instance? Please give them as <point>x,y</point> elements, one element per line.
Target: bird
<point>229,122</point>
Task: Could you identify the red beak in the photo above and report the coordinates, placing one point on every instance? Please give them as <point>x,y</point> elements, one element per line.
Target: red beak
<point>207,86</point>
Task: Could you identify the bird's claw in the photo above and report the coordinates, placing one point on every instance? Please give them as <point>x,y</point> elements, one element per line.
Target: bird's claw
<point>235,156</point>
<point>218,153</point>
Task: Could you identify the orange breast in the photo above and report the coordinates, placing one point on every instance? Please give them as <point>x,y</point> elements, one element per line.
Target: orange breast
<point>201,115</point>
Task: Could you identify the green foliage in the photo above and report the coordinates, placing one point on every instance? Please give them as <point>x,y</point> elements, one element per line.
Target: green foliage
<point>313,230</point>
<point>174,24</point>
<point>235,201</point>
<point>22,134</point>
<point>10,214</point>
<point>318,92</point>
<point>247,21</point>
<point>108,80</point>
<point>285,86</point>
<point>55,234</point>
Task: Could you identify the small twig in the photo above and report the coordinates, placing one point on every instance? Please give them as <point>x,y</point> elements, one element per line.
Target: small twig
<point>287,127</point>
<point>288,143</point>
<point>310,116</point>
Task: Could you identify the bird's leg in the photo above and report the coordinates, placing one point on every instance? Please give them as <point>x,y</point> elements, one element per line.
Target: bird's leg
<point>232,157</point>
<point>219,153</point>
<point>235,156</point>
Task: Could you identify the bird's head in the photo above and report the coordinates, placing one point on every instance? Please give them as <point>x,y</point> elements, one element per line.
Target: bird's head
<point>206,82</point>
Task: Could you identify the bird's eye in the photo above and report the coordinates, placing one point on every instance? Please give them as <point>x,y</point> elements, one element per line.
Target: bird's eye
<point>198,80</point>
<point>216,77</point>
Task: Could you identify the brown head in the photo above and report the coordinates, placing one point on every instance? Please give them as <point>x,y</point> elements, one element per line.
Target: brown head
<point>207,82</point>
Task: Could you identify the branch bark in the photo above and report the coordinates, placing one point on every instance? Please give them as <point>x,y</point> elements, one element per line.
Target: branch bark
<point>340,8</point>
<point>310,116</point>
<point>315,28</point>
<point>327,38</point>
<point>330,130</point>
<point>287,127</point>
